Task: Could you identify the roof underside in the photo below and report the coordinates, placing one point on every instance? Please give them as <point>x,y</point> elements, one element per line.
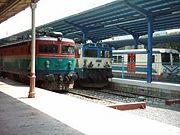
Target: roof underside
<point>121,17</point>
<point>9,8</point>
<point>156,40</point>
<point>118,18</point>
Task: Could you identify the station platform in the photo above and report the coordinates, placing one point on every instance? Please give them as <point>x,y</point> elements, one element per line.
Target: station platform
<point>154,89</point>
<point>53,113</point>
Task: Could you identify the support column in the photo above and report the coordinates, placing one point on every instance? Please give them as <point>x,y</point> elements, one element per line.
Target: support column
<point>149,18</point>
<point>84,37</point>
<point>32,73</point>
<point>149,49</point>
<point>136,38</point>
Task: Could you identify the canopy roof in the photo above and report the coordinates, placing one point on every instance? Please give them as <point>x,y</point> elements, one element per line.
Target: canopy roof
<point>120,17</point>
<point>9,8</point>
<point>156,40</point>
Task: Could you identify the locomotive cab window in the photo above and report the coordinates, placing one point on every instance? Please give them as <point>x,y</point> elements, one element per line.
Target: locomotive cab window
<point>67,49</point>
<point>176,58</point>
<point>105,54</point>
<point>165,57</point>
<point>90,53</point>
<point>48,48</point>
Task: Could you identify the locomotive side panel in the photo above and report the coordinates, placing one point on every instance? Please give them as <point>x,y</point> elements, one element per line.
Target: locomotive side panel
<point>55,62</point>
<point>15,60</point>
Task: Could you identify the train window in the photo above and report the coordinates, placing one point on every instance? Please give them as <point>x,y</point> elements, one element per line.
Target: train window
<point>114,59</point>
<point>176,58</point>
<point>153,59</point>
<point>165,57</point>
<point>102,54</point>
<point>48,48</point>
<point>105,54</point>
<point>67,49</point>
<point>119,59</point>
<point>90,53</point>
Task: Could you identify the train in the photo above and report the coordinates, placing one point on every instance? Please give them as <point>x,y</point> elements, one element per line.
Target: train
<point>54,58</point>
<point>133,63</point>
<point>93,64</point>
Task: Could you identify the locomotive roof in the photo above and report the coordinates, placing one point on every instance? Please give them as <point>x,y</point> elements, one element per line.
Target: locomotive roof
<point>55,39</point>
<point>39,38</point>
<point>138,51</point>
<point>91,45</point>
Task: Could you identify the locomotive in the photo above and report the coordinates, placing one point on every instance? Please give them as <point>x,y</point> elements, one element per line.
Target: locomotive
<point>133,63</point>
<point>54,56</point>
<point>93,64</point>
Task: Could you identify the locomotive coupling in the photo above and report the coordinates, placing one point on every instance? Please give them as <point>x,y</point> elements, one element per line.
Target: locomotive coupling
<point>50,78</point>
<point>68,77</point>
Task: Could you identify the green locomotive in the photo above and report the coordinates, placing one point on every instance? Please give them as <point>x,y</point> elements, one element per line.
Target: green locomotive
<point>55,62</point>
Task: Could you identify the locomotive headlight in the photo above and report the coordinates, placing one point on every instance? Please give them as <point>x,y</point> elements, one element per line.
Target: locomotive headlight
<point>60,78</point>
<point>107,65</point>
<point>85,63</point>
<point>90,65</point>
<point>47,64</point>
<point>164,70</point>
<point>69,65</point>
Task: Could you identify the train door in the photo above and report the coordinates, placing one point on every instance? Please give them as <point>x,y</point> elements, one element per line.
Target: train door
<point>131,65</point>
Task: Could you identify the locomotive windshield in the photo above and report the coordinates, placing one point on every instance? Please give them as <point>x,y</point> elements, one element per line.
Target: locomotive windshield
<point>165,57</point>
<point>105,54</point>
<point>176,58</point>
<point>168,57</point>
<point>90,53</point>
<point>67,49</point>
<point>48,48</point>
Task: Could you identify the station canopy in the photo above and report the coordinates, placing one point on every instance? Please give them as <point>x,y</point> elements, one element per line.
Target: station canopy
<point>9,8</point>
<point>130,42</point>
<point>118,18</point>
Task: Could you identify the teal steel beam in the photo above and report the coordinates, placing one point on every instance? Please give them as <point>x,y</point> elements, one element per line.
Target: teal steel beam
<point>138,9</point>
<point>84,31</point>
<point>134,35</point>
<point>136,38</point>
<point>149,19</point>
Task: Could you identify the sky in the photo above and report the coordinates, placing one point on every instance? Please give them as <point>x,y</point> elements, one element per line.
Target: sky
<point>47,11</point>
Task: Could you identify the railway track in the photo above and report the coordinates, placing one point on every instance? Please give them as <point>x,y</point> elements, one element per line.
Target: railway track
<point>118,93</point>
<point>109,97</point>
<point>129,94</point>
<point>88,96</point>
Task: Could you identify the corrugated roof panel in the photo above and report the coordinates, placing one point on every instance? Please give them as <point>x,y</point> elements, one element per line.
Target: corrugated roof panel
<point>117,19</point>
<point>9,8</point>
